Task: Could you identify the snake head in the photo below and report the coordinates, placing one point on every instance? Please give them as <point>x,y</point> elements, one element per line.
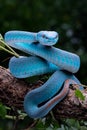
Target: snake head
<point>48,38</point>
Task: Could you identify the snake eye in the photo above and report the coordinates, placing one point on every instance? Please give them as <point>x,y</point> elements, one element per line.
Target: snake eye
<point>44,36</point>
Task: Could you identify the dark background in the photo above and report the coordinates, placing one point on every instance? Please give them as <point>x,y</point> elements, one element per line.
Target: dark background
<point>67,17</point>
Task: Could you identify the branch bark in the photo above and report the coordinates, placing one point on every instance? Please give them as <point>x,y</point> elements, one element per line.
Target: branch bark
<point>12,92</point>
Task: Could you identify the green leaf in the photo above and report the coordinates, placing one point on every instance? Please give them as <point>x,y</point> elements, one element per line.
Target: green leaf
<point>3,110</point>
<point>79,94</point>
<point>1,44</point>
<point>1,38</point>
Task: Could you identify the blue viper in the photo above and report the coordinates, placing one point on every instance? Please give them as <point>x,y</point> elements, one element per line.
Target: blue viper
<point>45,59</point>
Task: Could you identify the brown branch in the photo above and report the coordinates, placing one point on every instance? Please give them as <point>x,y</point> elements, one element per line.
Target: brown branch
<point>12,92</point>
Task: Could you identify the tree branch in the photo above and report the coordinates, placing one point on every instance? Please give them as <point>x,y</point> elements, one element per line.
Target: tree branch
<point>12,92</point>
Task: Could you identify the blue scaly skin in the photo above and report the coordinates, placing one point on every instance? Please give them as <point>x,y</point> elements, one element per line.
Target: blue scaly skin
<point>65,60</point>
<point>30,66</point>
<point>46,58</point>
<point>46,92</point>
<point>48,38</point>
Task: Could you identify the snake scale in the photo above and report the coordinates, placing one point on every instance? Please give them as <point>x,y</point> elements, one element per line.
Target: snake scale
<point>45,58</point>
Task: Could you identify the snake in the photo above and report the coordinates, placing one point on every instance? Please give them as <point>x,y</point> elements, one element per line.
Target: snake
<point>43,58</point>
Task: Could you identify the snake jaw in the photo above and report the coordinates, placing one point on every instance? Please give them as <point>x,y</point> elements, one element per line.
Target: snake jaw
<point>47,38</point>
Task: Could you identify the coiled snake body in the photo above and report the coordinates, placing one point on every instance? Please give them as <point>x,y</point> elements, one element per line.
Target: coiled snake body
<point>45,58</point>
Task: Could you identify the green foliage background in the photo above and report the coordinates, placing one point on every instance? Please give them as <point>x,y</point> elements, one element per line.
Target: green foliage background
<point>67,17</point>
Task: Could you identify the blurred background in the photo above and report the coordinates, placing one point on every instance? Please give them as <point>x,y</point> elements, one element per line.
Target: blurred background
<point>67,17</point>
